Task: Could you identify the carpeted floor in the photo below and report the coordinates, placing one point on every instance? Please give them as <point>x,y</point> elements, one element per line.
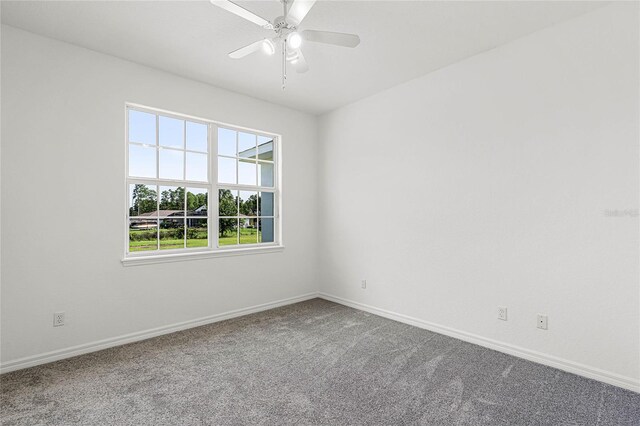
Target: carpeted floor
<point>310,363</point>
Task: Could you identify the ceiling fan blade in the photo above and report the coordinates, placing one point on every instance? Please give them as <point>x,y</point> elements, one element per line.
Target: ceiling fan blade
<point>242,12</point>
<point>247,50</point>
<point>299,63</point>
<point>298,10</point>
<point>328,37</point>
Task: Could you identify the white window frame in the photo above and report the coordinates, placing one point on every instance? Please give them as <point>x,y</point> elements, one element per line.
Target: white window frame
<point>212,186</point>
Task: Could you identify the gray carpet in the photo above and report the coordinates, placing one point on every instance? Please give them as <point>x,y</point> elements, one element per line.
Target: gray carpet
<point>311,363</point>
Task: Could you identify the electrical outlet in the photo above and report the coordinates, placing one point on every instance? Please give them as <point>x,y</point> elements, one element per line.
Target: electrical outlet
<point>58,319</point>
<point>502,313</point>
<point>363,284</point>
<point>542,322</point>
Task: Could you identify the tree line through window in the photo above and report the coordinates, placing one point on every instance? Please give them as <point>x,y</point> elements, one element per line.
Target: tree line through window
<point>246,217</point>
<point>171,222</point>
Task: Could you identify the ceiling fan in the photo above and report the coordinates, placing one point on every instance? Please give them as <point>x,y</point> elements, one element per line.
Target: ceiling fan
<point>287,37</point>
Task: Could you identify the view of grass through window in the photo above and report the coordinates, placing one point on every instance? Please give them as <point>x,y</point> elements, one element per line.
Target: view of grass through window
<point>170,222</point>
<point>245,217</point>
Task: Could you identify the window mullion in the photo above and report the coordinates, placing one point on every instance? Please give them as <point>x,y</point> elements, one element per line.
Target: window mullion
<point>237,159</point>
<point>157,217</point>
<point>233,187</point>
<point>214,221</point>
<point>157,185</point>
<point>168,182</point>
<point>184,176</point>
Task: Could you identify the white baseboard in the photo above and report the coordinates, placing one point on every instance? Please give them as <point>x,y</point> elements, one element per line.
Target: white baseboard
<point>540,358</point>
<point>545,359</point>
<point>59,354</point>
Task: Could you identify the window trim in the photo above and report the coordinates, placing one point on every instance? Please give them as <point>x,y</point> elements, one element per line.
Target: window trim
<point>197,254</point>
<point>213,186</point>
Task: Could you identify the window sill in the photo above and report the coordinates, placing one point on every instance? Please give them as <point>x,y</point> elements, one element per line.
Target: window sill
<point>180,257</point>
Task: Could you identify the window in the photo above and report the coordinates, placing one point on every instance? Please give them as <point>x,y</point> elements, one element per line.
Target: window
<point>175,164</point>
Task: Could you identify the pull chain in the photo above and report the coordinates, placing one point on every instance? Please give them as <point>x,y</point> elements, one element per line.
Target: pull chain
<point>284,49</point>
<point>284,64</point>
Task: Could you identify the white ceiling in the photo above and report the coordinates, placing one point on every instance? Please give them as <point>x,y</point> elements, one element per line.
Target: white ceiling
<point>401,40</point>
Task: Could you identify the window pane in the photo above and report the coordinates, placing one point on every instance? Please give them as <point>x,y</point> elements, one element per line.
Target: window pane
<point>197,137</point>
<point>227,202</point>
<point>246,173</point>
<point>248,230</point>
<point>197,202</point>
<point>265,148</point>
<point>142,127</point>
<point>143,200</point>
<point>266,204</point>
<point>142,161</point>
<point>143,234</point>
<point>228,232</point>
<point>197,234</point>
<point>266,230</point>
<point>226,170</point>
<point>171,201</point>
<point>226,142</point>
<point>171,132</point>
<point>248,203</point>
<point>171,164</point>
<point>172,233</point>
<point>265,174</point>
<point>246,145</point>
<point>197,167</point>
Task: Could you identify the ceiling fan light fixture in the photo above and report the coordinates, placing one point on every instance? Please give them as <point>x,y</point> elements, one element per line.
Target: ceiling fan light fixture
<point>268,47</point>
<point>294,40</point>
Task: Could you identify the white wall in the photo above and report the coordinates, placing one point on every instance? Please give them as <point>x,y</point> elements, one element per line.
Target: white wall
<point>63,201</point>
<point>482,184</point>
<point>486,183</point>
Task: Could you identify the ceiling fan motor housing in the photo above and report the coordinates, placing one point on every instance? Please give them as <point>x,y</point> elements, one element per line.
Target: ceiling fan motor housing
<point>282,26</point>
